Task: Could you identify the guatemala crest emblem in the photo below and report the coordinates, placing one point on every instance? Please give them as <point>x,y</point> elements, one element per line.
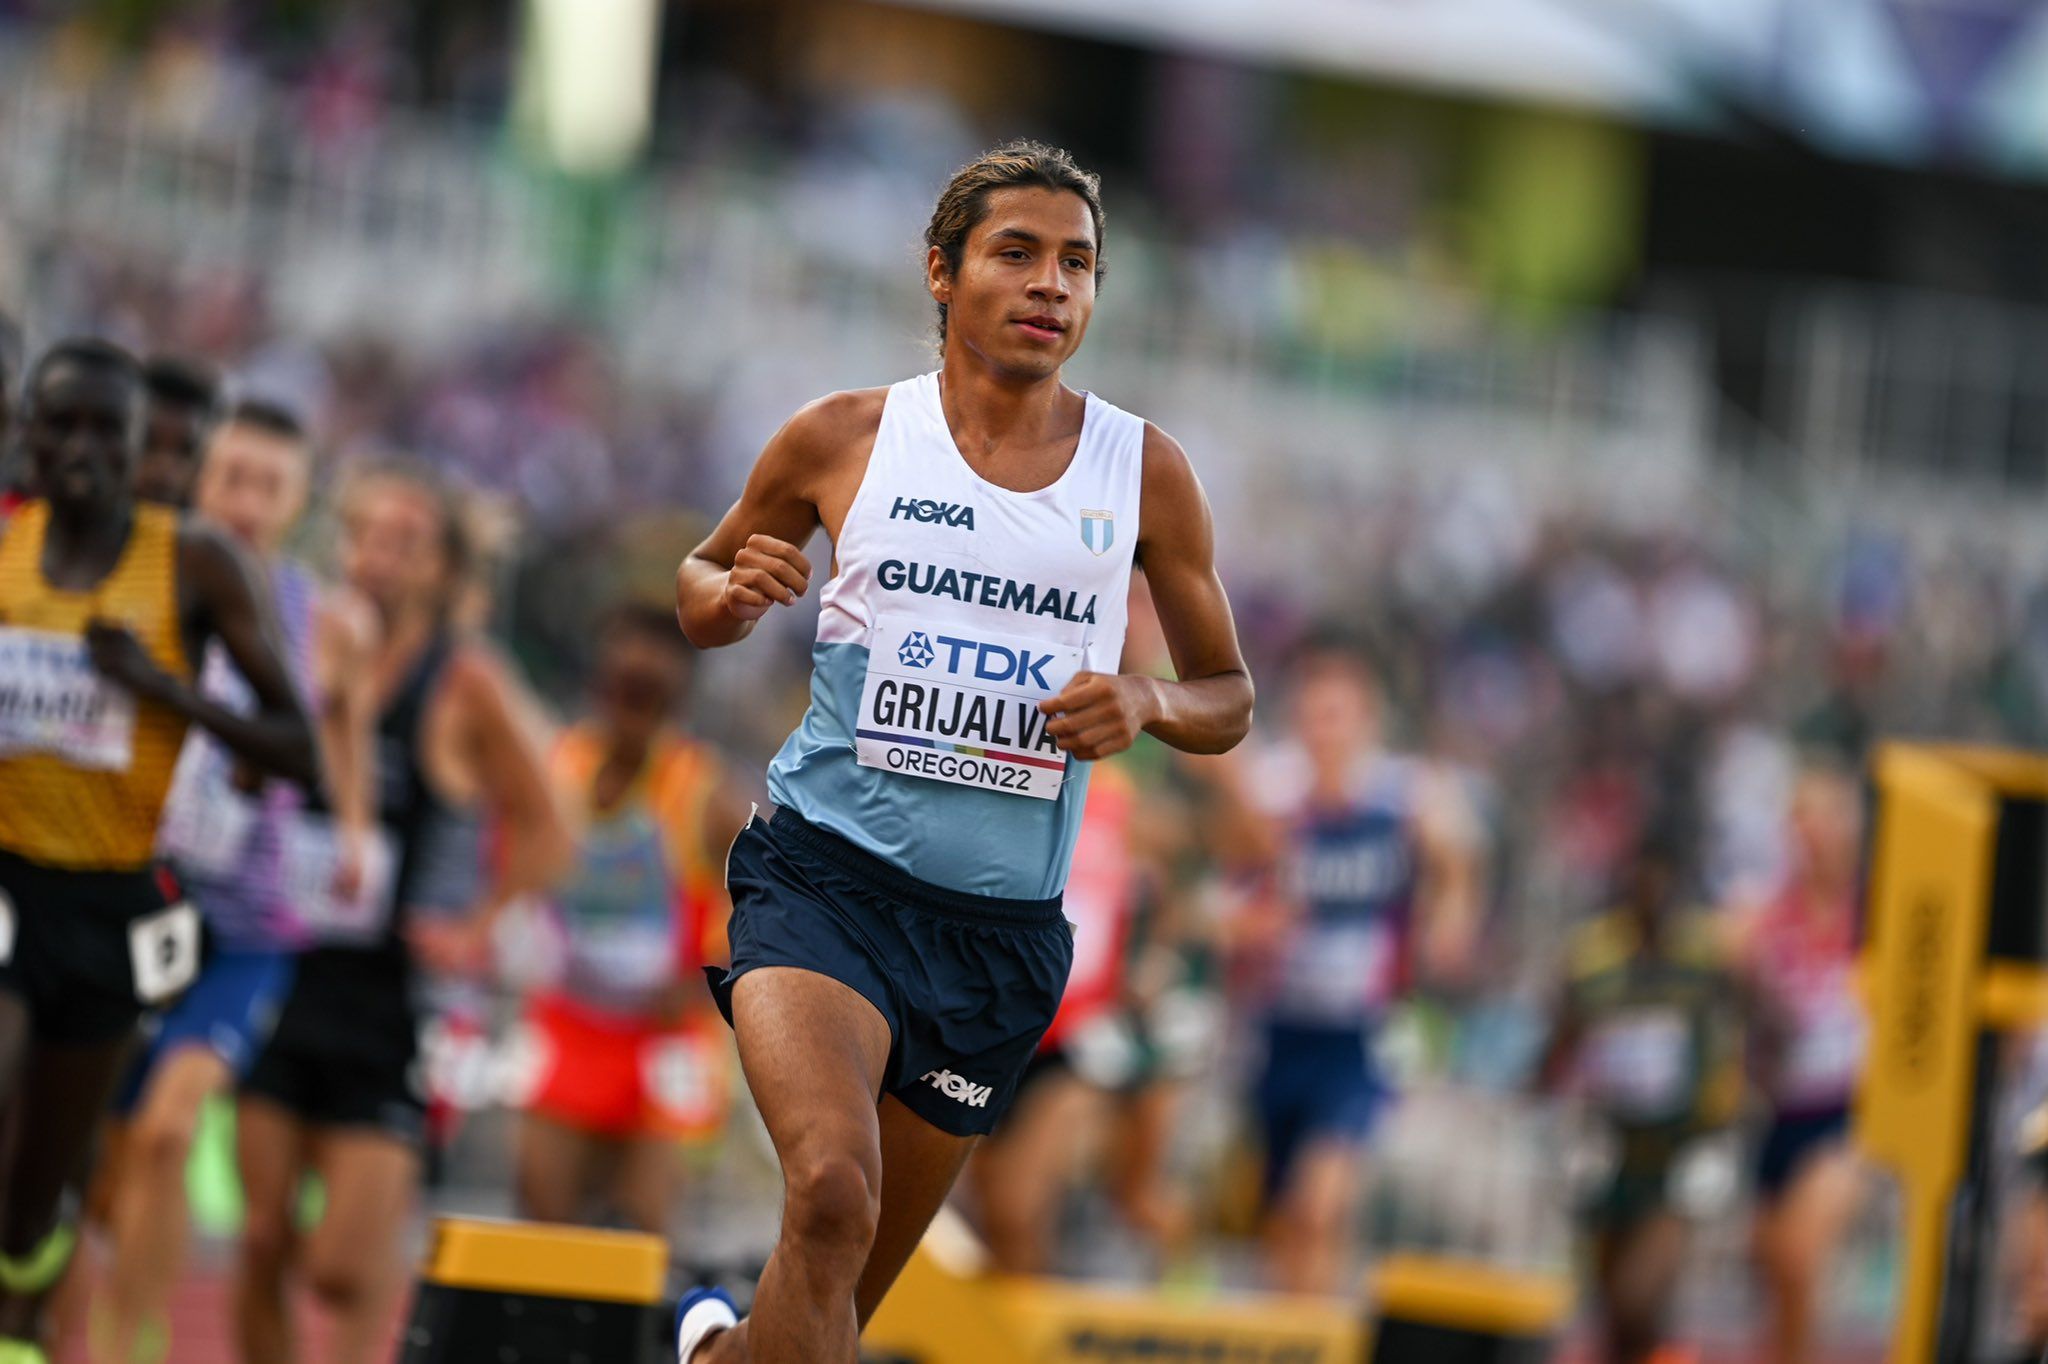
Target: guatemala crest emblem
<point>1098,530</point>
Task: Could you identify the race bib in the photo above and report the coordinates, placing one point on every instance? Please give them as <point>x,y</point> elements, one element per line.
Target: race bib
<point>1640,1064</point>
<point>163,952</point>
<point>684,1079</point>
<point>960,705</point>
<point>53,701</point>
<point>1826,1054</point>
<point>1340,971</point>
<point>626,959</point>
<point>206,820</point>
<point>309,863</point>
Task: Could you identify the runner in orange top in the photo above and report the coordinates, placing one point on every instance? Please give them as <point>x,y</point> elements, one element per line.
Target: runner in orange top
<point>628,1057</point>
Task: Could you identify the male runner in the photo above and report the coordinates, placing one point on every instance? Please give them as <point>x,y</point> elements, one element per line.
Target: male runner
<point>334,1093</point>
<point>1369,881</point>
<point>897,942</point>
<point>1650,1026</point>
<point>626,1065</point>
<point>104,605</point>
<point>1799,954</point>
<point>261,867</point>
<point>184,407</point>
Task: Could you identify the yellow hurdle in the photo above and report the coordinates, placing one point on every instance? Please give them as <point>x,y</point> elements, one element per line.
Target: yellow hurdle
<point>1954,955</point>
<point>527,1293</point>
<point>947,1309</point>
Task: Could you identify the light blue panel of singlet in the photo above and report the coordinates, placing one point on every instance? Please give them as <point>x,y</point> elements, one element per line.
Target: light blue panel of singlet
<point>959,837</point>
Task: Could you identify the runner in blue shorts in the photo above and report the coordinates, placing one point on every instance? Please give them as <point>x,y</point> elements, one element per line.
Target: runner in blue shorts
<point>238,854</point>
<point>1369,879</point>
<point>898,946</point>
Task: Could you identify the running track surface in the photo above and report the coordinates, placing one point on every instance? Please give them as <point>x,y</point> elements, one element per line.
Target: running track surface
<point>201,1334</point>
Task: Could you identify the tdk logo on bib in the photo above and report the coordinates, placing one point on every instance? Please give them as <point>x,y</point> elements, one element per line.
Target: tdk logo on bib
<point>990,662</point>
<point>928,511</point>
<point>983,661</point>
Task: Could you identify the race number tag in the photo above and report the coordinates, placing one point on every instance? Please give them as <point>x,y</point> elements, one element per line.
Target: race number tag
<point>1340,971</point>
<point>163,952</point>
<point>53,701</point>
<point>206,822</point>
<point>309,859</point>
<point>960,704</point>
<point>1827,1052</point>
<point>1640,1063</point>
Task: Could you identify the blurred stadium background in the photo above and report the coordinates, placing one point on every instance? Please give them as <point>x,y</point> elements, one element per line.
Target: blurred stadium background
<point>1648,380</point>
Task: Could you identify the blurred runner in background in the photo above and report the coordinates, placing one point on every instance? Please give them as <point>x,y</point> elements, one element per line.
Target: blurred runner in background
<point>185,404</point>
<point>1366,877</point>
<point>239,856</point>
<point>1649,1031</point>
<point>629,1057</point>
<point>1022,1172</point>
<point>108,604</point>
<point>337,1091</point>
<point>1798,953</point>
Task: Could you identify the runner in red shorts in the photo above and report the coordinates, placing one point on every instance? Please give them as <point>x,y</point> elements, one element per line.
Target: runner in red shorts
<point>628,1057</point>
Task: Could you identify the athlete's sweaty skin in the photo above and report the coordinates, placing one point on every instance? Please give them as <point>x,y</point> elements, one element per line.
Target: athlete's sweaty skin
<point>863,1180</point>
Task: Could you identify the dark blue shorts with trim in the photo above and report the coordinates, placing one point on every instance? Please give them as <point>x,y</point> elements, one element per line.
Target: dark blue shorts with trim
<point>967,983</point>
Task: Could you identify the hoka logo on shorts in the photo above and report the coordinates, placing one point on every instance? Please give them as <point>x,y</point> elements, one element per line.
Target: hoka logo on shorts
<point>930,512</point>
<point>959,1087</point>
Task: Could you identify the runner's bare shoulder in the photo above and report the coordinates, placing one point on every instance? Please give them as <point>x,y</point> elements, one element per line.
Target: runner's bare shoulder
<point>829,435</point>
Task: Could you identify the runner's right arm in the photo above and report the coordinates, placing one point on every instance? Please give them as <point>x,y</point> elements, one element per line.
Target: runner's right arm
<point>754,559</point>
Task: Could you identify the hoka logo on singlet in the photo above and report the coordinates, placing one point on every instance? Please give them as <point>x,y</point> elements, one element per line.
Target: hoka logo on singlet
<point>928,511</point>
<point>986,589</point>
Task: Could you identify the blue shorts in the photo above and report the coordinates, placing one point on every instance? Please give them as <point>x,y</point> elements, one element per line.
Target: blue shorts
<point>968,983</point>
<point>1316,1084</point>
<point>1791,1142</point>
<point>230,1010</point>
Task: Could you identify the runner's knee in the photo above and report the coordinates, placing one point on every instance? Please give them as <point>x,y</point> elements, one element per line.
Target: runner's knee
<point>161,1142</point>
<point>342,1283</point>
<point>268,1241</point>
<point>832,1201</point>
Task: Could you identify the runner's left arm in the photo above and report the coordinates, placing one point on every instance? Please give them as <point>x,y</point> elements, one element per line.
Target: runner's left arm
<point>1209,708</point>
<point>345,683</point>
<point>1450,894</point>
<point>222,597</point>
<point>502,736</point>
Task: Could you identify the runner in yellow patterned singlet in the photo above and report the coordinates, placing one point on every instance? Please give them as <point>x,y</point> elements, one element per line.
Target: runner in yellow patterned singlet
<point>103,606</point>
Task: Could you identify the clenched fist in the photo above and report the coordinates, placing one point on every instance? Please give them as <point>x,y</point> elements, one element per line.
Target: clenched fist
<point>764,572</point>
<point>1099,714</point>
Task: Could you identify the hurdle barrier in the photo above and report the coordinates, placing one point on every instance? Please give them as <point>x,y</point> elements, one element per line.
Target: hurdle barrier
<point>1956,953</point>
<point>494,1292</point>
<point>948,1309</point>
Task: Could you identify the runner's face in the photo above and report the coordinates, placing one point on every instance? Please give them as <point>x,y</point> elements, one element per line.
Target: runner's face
<point>391,546</point>
<point>1025,289</point>
<point>1336,713</point>
<point>253,483</point>
<point>639,683</point>
<point>1827,824</point>
<point>83,432</point>
<point>175,435</point>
